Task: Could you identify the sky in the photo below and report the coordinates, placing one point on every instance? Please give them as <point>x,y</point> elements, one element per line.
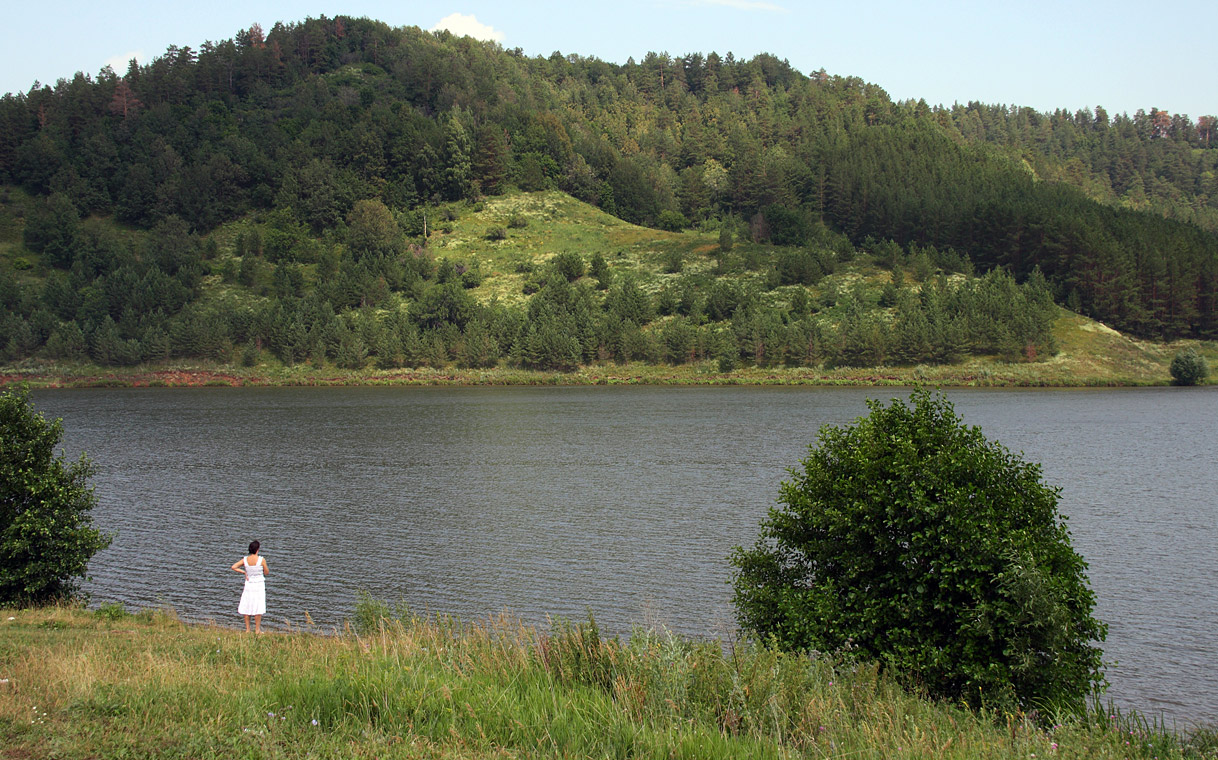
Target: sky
<point>1121,54</point>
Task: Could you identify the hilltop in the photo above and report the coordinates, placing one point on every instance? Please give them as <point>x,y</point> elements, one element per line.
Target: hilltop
<point>343,196</point>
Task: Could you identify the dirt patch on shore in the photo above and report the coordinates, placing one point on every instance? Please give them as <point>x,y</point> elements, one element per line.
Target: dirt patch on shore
<point>159,379</point>
<point>179,378</point>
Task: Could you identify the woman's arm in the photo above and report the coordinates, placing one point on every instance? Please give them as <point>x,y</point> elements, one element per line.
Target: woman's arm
<point>237,565</point>
<point>264,570</point>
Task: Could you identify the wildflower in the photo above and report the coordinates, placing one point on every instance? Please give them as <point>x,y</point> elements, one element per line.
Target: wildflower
<point>12,618</point>
<point>270,715</point>
<point>315,721</point>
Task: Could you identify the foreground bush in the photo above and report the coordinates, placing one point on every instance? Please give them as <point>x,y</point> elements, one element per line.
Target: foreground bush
<point>46,532</point>
<point>911,540</point>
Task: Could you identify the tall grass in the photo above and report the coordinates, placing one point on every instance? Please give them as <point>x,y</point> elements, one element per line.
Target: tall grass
<point>393,684</point>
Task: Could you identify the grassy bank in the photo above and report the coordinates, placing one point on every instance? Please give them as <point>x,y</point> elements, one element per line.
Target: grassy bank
<point>1090,356</point>
<point>79,684</point>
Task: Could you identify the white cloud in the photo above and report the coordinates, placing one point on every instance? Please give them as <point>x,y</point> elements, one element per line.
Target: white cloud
<point>743,5</point>
<point>120,62</point>
<point>468,26</point>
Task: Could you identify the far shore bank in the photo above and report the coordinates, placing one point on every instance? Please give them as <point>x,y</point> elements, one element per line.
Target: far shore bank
<point>972,375</point>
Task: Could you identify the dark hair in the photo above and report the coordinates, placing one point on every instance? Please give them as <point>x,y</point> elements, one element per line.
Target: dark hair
<point>254,546</point>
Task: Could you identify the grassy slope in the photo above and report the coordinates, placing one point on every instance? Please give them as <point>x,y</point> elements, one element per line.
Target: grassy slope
<point>75,684</point>
<point>1090,353</point>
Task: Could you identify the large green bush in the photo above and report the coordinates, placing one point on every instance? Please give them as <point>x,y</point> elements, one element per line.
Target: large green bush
<point>46,532</point>
<point>1189,368</point>
<point>909,539</point>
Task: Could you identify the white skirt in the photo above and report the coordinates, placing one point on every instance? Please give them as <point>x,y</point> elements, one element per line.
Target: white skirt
<point>253,599</point>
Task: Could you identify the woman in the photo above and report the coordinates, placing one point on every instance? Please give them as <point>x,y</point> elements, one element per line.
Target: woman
<point>253,598</point>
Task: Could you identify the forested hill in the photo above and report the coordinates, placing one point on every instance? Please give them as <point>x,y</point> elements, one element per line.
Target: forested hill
<point>310,118</point>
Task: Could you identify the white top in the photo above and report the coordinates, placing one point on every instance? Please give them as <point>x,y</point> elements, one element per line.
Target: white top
<point>253,573</point>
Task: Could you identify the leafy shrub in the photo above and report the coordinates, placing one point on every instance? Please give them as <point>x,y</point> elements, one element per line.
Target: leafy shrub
<point>599,268</point>
<point>250,355</point>
<point>788,226</point>
<point>372,614</point>
<point>517,221</point>
<point>1189,368</point>
<point>46,533</point>
<point>411,222</point>
<point>798,267</point>
<point>496,233</point>
<point>471,277</point>
<point>724,298</point>
<point>912,540</point>
<point>570,265</point>
<point>889,295</point>
<point>726,239</point>
<point>113,611</point>
<point>673,221</point>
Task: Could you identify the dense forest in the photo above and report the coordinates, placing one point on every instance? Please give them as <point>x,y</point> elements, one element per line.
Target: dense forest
<point>347,141</point>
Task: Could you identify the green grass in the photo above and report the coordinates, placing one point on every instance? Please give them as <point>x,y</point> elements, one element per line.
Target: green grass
<point>85,684</point>
<point>557,223</point>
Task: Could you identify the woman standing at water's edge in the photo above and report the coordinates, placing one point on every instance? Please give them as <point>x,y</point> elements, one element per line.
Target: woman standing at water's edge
<point>253,598</point>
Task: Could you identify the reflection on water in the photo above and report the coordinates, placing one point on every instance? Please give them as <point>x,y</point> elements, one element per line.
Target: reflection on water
<point>622,501</point>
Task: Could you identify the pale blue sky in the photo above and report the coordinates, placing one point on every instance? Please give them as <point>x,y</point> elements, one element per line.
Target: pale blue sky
<point>1121,54</point>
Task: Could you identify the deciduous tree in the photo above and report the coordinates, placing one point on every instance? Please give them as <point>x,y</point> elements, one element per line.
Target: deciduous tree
<point>910,539</point>
<point>46,531</point>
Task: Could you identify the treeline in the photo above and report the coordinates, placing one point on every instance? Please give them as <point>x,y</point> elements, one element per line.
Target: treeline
<point>1139,272</point>
<point>1154,159</point>
<point>371,300</point>
<point>311,118</point>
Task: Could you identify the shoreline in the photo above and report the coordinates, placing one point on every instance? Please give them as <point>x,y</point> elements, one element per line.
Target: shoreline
<point>703,374</point>
<point>146,684</point>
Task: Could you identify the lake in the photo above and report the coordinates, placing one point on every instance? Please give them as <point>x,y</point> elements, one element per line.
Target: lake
<point>623,501</point>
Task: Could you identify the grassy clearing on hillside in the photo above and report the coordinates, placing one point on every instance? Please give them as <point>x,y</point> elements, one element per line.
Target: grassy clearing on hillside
<point>555,223</point>
<point>78,684</point>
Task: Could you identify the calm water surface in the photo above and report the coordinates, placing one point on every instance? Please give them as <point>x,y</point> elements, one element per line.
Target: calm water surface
<point>623,501</point>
